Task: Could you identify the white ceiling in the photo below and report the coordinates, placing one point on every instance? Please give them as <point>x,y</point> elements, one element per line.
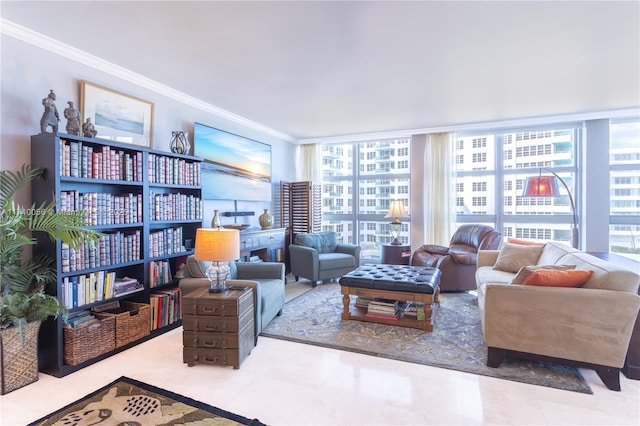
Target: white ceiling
<point>318,69</point>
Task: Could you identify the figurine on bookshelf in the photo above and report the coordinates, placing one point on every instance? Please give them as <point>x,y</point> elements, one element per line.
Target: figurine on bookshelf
<point>88,129</point>
<point>50,116</point>
<point>73,119</point>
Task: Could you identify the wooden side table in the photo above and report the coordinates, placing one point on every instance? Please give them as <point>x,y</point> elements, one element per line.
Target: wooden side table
<point>218,327</point>
<point>395,255</point>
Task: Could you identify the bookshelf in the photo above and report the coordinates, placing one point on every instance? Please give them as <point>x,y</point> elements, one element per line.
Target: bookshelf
<point>147,205</point>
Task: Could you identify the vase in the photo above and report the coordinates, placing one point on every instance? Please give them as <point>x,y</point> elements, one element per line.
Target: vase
<point>266,220</point>
<point>180,142</point>
<point>215,222</point>
<point>18,357</point>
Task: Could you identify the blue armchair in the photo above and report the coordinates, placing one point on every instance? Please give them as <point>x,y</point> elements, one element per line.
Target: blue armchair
<point>319,257</point>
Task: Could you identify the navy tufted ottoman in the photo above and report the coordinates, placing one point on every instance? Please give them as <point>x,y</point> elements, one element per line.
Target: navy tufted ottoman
<point>417,284</point>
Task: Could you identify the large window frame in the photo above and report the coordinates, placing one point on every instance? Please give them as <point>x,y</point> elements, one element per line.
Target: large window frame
<point>505,179</point>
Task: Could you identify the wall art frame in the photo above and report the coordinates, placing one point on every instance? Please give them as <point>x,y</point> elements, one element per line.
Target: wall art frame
<point>117,116</point>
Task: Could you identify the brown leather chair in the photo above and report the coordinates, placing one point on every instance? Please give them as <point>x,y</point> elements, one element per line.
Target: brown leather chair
<point>458,261</point>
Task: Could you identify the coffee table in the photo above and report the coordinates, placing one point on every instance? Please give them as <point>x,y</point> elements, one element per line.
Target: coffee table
<point>418,284</point>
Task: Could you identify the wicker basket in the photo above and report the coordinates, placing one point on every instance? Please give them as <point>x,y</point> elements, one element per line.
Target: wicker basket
<point>133,322</point>
<point>81,344</point>
<point>18,358</point>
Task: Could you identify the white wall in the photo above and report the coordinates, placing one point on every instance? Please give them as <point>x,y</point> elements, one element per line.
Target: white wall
<point>29,72</point>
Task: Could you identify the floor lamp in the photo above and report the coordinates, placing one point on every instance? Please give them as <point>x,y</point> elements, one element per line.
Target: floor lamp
<point>547,186</point>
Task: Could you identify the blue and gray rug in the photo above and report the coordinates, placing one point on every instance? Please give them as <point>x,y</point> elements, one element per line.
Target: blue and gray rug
<point>456,342</point>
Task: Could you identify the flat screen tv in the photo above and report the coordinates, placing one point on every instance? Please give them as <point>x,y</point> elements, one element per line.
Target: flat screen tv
<point>234,167</point>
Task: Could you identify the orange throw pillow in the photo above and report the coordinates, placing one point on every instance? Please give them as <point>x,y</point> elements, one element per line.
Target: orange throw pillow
<point>553,278</point>
<point>524,242</point>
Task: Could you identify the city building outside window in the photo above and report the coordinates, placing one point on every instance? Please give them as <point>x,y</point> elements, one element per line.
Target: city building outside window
<point>374,172</point>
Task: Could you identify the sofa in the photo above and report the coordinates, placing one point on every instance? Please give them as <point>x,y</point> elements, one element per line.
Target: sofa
<point>320,257</point>
<point>458,261</point>
<point>267,279</point>
<point>530,310</point>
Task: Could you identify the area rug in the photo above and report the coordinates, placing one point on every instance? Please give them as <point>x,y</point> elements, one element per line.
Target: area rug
<point>130,402</point>
<point>456,342</point>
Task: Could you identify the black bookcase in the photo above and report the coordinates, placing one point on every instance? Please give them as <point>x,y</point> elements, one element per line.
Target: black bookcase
<point>146,203</point>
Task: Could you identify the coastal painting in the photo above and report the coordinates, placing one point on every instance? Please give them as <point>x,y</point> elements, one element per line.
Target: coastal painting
<point>117,116</point>
<point>233,167</point>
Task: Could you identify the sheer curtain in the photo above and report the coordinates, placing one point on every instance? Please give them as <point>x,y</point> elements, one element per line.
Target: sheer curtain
<point>439,189</point>
<point>309,163</point>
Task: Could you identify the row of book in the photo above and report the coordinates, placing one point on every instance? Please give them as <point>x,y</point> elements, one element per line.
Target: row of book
<point>100,162</point>
<point>174,206</point>
<point>391,309</point>
<point>110,249</point>
<point>94,287</point>
<point>159,272</point>
<point>173,171</point>
<point>165,307</point>
<point>102,208</point>
<point>165,242</point>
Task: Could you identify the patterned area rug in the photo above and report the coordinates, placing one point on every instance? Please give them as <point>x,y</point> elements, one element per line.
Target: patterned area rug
<point>456,342</point>
<point>130,402</point>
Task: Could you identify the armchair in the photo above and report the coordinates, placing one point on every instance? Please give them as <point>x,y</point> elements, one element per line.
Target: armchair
<point>265,278</point>
<point>319,257</point>
<point>458,261</point>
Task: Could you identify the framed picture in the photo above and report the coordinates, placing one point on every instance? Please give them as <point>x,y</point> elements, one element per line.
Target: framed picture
<point>115,116</point>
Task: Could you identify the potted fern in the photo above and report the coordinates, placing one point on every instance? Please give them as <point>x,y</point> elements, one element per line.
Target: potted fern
<point>24,304</point>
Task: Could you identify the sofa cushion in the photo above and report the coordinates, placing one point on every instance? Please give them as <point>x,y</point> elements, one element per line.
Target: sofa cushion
<point>512,257</point>
<point>525,271</point>
<point>555,278</point>
<point>486,274</point>
<point>524,242</point>
<point>336,261</point>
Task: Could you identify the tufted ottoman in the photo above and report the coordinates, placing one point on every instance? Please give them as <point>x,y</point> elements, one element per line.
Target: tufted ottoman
<point>416,284</point>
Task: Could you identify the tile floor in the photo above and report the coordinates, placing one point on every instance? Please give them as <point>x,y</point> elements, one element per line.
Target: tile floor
<point>284,383</point>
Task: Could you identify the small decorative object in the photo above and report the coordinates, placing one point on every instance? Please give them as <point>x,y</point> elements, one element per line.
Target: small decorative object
<point>215,222</point>
<point>73,119</point>
<point>266,219</point>
<point>180,142</point>
<point>217,246</point>
<point>50,116</point>
<point>88,129</point>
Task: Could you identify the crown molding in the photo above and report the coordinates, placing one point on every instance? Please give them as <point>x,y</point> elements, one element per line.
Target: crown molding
<point>56,47</point>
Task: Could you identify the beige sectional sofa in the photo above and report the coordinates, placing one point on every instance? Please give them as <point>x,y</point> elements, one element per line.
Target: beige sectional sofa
<point>588,326</point>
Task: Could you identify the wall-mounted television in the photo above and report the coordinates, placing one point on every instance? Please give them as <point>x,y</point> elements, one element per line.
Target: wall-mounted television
<point>234,167</point>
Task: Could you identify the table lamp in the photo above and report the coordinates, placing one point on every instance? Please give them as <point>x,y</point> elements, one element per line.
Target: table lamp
<point>547,186</point>
<point>396,211</point>
<point>218,246</point>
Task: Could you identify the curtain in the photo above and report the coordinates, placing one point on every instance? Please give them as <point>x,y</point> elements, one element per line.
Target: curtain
<point>439,189</point>
<point>309,163</point>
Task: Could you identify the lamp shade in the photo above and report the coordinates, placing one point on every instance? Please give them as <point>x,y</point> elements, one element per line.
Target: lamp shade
<point>541,186</point>
<point>396,210</point>
<point>217,245</point>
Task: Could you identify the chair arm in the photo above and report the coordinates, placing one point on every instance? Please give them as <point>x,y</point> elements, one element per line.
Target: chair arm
<point>487,257</point>
<point>260,270</point>
<point>351,249</point>
<point>464,257</point>
<point>582,324</point>
<point>434,249</point>
<point>304,261</point>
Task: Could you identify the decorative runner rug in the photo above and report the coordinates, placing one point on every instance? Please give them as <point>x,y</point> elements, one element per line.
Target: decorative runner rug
<point>456,342</point>
<point>130,402</point>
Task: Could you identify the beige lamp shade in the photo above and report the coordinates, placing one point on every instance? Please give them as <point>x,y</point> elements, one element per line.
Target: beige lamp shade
<point>217,245</point>
<point>396,211</point>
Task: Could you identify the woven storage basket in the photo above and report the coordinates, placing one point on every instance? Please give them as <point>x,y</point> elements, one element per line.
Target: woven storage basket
<point>81,344</point>
<point>132,323</point>
<point>19,362</point>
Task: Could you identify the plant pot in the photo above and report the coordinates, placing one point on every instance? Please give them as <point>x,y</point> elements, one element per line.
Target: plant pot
<point>18,358</point>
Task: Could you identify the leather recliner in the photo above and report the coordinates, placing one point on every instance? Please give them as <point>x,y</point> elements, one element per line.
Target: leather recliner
<point>458,261</point>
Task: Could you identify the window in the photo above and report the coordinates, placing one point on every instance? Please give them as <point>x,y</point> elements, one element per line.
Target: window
<point>624,183</point>
<point>500,178</point>
<point>373,173</point>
